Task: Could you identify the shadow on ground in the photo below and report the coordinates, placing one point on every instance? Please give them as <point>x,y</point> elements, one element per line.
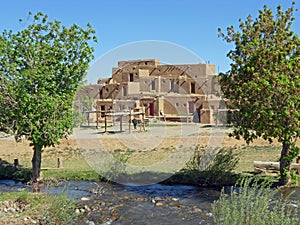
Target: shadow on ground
<point>10,172</point>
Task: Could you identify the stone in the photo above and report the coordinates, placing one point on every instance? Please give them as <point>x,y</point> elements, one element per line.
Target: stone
<point>12,210</point>
<point>158,199</point>
<point>87,208</point>
<point>77,211</point>
<point>209,214</point>
<point>159,204</point>
<point>6,204</point>
<point>196,209</point>
<point>88,222</point>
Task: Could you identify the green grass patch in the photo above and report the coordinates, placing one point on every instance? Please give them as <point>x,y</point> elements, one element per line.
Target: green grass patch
<point>40,208</point>
<point>68,174</point>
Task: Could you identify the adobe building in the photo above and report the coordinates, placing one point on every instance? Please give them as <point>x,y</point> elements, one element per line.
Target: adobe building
<point>173,92</point>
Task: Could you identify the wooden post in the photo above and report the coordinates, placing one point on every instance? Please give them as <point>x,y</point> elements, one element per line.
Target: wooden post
<point>97,119</point>
<point>16,163</point>
<point>59,162</point>
<point>105,123</point>
<point>143,115</point>
<point>121,123</point>
<point>129,122</point>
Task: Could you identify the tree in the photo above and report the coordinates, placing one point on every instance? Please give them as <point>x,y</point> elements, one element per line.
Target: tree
<point>264,82</point>
<point>41,67</point>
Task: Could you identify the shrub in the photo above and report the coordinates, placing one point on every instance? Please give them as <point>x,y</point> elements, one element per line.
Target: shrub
<point>254,203</point>
<point>61,210</point>
<point>213,166</point>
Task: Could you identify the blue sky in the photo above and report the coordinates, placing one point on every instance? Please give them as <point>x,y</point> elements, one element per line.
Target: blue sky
<point>176,31</point>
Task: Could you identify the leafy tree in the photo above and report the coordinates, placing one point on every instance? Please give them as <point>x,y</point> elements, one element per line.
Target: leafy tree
<point>41,67</point>
<point>264,82</point>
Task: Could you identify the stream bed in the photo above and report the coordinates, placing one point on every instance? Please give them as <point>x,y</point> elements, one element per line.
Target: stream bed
<point>103,203</point>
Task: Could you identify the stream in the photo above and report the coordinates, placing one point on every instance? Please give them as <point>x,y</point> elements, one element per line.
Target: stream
<point>104,204</point>
<point>127,204</point>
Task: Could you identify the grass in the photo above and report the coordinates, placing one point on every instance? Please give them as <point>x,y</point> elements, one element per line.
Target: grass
<point>32,208</point>
<point>248,154</point>
<point>14,195</point>
<point>75,167</point>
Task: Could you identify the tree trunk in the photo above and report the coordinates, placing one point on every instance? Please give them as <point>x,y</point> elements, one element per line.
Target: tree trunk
<point>285,164</point>
<point>36,163</point>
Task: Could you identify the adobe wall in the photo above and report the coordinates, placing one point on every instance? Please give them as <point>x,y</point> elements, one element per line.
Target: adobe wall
<point>175,89</point>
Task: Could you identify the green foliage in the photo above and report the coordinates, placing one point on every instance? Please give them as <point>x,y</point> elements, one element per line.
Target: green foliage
<point>61,210</point>
<point>254,203</point>
<point>219,171</point>
<point>41,68</point>
<point>264,82</point>
<point>295,178</point>
<point>43,208</point>
<point>68,174</point>
<point>88,103</point>
<point>116,166</point>
<point>225,162</point>
<point>78,119</point>
<point>22,195</point>
<point>195,160</point>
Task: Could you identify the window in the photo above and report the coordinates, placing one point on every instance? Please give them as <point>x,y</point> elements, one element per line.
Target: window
<point>153,85</point>
<point>172,85</point>
<point>193,88</point>
<point>125,91</point>
<point>131,77</point>
<point>102,109</point>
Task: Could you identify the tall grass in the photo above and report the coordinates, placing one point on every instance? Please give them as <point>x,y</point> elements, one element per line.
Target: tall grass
<point>256,204</point>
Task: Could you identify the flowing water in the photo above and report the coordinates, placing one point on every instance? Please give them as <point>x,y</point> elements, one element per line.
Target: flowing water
<point>103,203</point>
<point>127,204</point>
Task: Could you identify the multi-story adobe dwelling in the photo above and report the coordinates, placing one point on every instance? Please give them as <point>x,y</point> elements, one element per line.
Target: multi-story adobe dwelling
<point>174,92</point>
